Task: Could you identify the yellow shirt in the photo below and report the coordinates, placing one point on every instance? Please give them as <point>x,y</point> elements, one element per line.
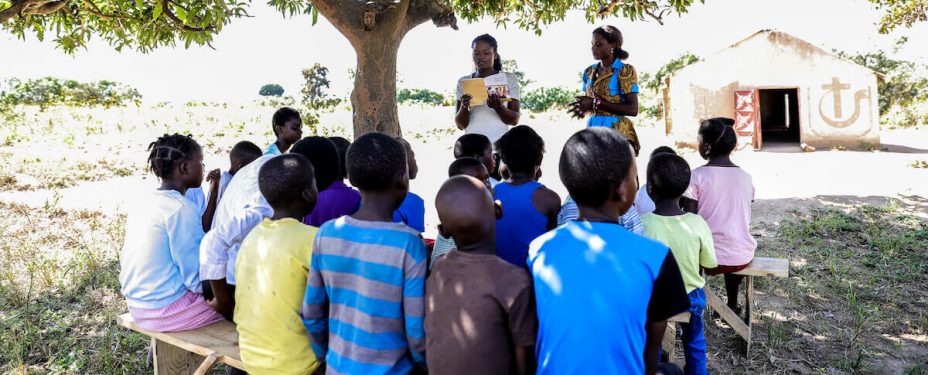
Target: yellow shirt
<point>271,272</point>
<point>689,239</point>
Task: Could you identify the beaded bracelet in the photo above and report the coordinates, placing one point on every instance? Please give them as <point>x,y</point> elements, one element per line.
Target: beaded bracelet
<point>596,103</point>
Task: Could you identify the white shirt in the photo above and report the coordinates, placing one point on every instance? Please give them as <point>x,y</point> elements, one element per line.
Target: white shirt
<point>643,201</point>
<point>483,119</point>
<point>241,209</point>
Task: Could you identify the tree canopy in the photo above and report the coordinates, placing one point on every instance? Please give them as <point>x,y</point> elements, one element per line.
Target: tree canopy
<point>901,13</point>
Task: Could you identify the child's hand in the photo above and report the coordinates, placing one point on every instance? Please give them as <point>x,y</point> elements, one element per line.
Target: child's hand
<point>213,178</point>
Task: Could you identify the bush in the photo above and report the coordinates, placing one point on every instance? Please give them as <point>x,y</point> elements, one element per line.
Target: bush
<point>420,96</point>
<point>545,98</point>
<point>49,91</point>
<point>271,89</point>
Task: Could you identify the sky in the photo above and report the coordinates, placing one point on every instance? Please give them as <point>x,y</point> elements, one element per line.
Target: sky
<point>270,48</point>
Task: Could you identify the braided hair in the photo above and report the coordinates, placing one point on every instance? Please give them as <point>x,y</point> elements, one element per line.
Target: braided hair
<point>486,38</point>
<point>167,151</point>
<point>613,35</point>
<point>719,134</point>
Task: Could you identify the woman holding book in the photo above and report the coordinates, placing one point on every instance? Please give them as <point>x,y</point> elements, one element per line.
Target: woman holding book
<point>500,110</point>
<point>610,87</point>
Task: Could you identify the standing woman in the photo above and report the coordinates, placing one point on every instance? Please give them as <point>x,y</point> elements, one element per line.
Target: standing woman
<point>610,87</point>
<point>496,116</point>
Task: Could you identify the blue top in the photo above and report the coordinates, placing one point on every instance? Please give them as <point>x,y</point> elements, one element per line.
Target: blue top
<point>631,220</point>
<point>411,212</point>
<point>596,287</point>
<point>521,222</point>
<point>623,79</point>
<point>272,149</point>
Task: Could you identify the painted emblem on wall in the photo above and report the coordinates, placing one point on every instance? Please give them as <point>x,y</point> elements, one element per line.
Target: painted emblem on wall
<point>835,116</point>
<point>745,112</point>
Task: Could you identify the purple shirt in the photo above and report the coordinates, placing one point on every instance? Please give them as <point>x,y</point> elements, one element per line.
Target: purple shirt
<point>336,201</point>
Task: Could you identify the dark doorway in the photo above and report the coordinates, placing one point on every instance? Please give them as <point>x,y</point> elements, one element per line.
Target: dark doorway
<point>779,116</point>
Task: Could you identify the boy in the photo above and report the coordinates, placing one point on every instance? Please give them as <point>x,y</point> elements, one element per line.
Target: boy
<point>487,326</point>
<point>603,294</point>
<point>643,202</point>
<point>242,153</point>
<point>339,199</point>
<point>288,128</point>
<point>271,270</point>
<point>242,208</point>
<point>477,146</point>
<point>690,241</point>
<point>412,211</point>
<point>463,166</point>
<point>531,208</point>
<point>363,306</point>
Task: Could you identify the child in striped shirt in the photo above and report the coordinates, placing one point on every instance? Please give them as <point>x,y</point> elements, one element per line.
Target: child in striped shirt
<point>364,296</point>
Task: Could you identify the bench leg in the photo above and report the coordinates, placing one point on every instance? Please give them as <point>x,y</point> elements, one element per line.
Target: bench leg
<point>729,316</point>
<point>748,311</point>
<point>670,340</point>
<point>171,360</point>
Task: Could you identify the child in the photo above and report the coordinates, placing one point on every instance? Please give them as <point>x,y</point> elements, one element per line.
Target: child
<point>690,241</point>
<point>487,326</point>
<point>464,166</point>
<point>477,146</point>
<point>288,128</point>
<point>722,193</point>
<point>339,199</point>
<point>241,155</point>
<point>603,294</point>
<point>643,202</point>
<point>243,207</point>
<point>412,211</point>
<point>271,270</point>
<point>364,296</point>
<point>531,208</point>
<point>160,260</point>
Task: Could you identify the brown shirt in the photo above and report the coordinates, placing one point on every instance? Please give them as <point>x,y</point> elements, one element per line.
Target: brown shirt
<point>477,309</point>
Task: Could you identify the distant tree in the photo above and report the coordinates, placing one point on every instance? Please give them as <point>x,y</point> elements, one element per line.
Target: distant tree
<point>545,98</point>
<point>315,88</point>
<point>901,13</point>
<point>271,89</point>
<point>512,66</point>
<point>904,82</point>
<point>50,91</point>
<point>420,96</point>
<point>650,100</point>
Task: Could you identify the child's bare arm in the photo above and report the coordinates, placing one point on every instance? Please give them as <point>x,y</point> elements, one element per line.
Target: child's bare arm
<point>525,360</point>
<point>213,179</point>
<point>655,332</point>
<point>547,202</point>
<point>223,298</point>
<point>689,205</point>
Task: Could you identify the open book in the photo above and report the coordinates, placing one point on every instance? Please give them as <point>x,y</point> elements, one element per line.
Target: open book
<point>480,88</point>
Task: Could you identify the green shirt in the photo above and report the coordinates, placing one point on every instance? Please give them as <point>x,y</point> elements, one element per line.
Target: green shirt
<point>689,239</point>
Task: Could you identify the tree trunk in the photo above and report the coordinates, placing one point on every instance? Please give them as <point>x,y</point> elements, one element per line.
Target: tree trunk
<point>373,100</point>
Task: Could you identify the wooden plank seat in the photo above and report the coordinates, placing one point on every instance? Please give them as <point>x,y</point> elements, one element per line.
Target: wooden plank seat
<point>191,352</point>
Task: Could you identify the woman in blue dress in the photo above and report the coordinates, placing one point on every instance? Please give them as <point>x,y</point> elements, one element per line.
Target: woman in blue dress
<point>610,87</point>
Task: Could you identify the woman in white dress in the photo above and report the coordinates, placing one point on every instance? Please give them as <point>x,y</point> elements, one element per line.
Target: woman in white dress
<point>494,117</point>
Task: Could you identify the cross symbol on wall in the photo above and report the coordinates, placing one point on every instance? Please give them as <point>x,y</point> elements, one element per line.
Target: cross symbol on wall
<point>835,87</point>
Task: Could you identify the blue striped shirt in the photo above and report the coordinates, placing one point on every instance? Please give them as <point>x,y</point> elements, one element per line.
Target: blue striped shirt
<point>631,220</point>
<point>364,297</point>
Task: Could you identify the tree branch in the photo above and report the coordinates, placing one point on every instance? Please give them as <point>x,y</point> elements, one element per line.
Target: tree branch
<point>608,8</point>
<point>31,7</point>
<point>180,25</point>
<point>437,11</point>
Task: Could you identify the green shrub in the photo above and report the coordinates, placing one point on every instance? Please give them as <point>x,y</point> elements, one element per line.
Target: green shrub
<point>420,96</point>
<point>50,91</point>
<point>545,98</point>
<point>271,89</point>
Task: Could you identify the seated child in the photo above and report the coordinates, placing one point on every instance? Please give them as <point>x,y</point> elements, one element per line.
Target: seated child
<point>477,146</point>
<point>488,326</point>
<point>412,211</point>
<point>690,241</point>
<point>242,208</point>
<point>463,166</point>
<point>603,294</point>
<point>643,201</point>
<point>531,208</point>
<point>339,199</point>
<point>242,153</point>
<point>368,273</point>
<point>271,270</point>
<point>159,269</point>
<point>722,194</point>
<point>288,128</point>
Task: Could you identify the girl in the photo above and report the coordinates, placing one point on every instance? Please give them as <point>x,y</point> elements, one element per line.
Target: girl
<point>496,116</point>
<point>610,87</point>
<point>722,194</point>
<point>160,259</point>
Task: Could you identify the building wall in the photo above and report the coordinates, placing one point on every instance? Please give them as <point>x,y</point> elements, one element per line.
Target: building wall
<point>776,60</point>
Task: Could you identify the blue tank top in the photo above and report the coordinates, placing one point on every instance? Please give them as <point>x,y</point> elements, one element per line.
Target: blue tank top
<point>521,223</point>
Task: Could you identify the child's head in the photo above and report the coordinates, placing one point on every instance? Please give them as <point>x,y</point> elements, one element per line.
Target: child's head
<point>287,125</point>
<point>598,169</point>
<point>522,150</point>
<point>466,211</point>
<point>476,146</point>
<point>410,159</point>
<point>470,167</point>
<point>322,153</point>
<point>242,154</point>
<point>668,177</point>
<point>342,145</point>
<point>377,163</point>
<point>288,184</point>
<point>178,159</point>
<point>662,150</point>
<point>716,137</point>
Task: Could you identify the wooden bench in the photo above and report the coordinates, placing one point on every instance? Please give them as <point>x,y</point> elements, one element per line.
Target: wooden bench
<point>767,267</point>
<point>191,352</point>
<point>670,334</point>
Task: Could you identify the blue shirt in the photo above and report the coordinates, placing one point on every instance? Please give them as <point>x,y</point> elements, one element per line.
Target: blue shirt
<point>521,222</point>
<point>643,201</point>
<point>631,220</point>
<point>272,150</point>
<point>411,212</point>
<point>596,287</point>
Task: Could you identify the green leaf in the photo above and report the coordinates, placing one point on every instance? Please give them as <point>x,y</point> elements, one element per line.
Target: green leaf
<point>157,11</point>
<point>315,16</point>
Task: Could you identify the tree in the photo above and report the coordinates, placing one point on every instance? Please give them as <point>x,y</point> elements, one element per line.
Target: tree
<point>650,99</point>
<point>901,13</point>
<point>374,28</point>
<point>903,83</point>
<point>271,89</point>
<point>316,82</point>
<point>512,66</point>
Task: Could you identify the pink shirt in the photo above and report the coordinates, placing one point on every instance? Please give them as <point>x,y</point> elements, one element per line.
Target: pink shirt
<point>725,195</point>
